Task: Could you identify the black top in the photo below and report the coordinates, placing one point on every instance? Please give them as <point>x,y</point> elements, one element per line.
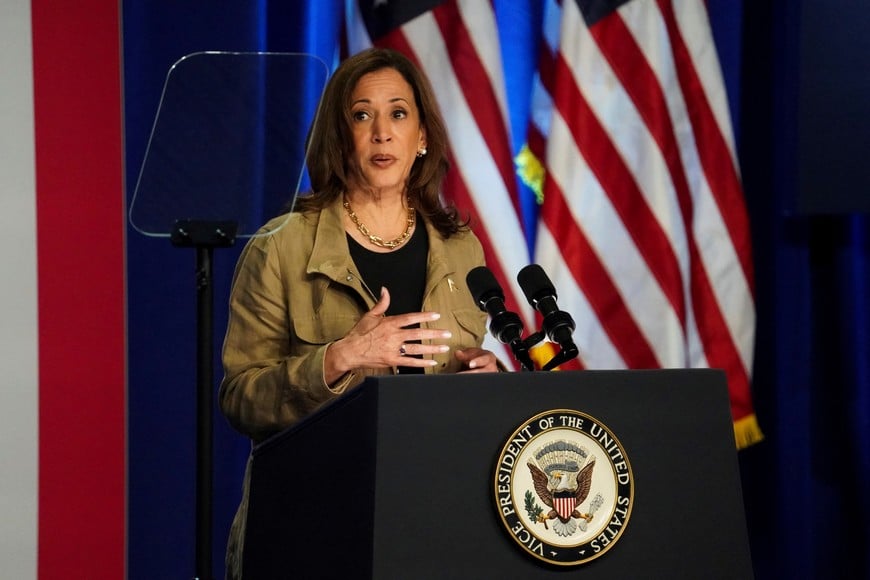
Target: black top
<point>402,271</point>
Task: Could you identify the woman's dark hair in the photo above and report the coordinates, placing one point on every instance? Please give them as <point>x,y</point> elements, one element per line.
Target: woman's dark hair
<point>330,141</point>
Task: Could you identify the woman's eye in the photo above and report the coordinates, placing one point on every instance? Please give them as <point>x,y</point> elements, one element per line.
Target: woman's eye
<point>360,116</point>
<point>399,114</point>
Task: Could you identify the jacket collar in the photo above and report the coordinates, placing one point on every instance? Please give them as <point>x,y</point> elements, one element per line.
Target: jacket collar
<point>330,255</point>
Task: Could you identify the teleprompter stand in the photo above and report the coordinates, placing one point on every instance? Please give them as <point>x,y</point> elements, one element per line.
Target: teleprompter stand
<point>226,154</point>
<point>204,236</point>
<point>395,479</point>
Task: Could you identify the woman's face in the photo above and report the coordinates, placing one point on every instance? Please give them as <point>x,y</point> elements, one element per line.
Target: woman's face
<point>386,130</point>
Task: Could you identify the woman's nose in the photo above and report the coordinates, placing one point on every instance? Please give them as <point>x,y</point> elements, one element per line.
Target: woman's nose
<point>380,132</point>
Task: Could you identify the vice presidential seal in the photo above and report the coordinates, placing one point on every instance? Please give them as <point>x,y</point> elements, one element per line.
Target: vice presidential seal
<point>563,487</point>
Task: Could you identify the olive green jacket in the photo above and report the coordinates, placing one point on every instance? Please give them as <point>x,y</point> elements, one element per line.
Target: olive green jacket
<point>296,290</point>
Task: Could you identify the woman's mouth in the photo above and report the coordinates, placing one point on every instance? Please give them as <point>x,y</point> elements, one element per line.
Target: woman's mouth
<point>382,160</point>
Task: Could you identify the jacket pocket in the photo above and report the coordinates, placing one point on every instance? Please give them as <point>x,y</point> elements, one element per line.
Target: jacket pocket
<point>472,326</point>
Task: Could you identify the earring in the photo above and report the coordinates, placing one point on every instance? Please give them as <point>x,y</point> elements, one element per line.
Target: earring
<point>421,152</point>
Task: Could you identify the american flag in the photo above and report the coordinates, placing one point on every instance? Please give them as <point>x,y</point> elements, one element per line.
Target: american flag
<point>643,227</point>
<point>456,44</point>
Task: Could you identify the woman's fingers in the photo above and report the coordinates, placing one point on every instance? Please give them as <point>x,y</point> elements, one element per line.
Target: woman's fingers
<point>476,359</point>
<point>416,349</point>
<point>380,308</point>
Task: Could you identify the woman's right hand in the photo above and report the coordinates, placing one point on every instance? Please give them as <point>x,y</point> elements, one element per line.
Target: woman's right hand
<point>378,341</point>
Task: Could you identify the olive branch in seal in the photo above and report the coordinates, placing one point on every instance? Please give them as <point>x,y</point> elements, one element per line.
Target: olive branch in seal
<point>533,508</point>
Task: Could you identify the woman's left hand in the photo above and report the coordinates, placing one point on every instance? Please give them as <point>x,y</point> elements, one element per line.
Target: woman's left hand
<point>477,360</point>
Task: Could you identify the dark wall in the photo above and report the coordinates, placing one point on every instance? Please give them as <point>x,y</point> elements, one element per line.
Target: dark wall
<point>833,52</point>
<point>811,251</point>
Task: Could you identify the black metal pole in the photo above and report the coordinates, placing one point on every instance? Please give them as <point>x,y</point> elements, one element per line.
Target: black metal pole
<point>204,350</point>
<point>204,236</point>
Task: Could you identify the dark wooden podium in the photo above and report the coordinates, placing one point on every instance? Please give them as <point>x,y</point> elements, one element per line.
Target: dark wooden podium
<point>395,479</point>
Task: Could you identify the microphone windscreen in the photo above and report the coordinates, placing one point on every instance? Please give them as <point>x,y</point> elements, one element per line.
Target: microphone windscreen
<point>482,284</point>
<point>535,283</point>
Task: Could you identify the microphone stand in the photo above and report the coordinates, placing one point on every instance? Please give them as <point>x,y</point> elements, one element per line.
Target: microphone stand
<point>520,348</point>
<point>507,328</point>
<point>567,351</point>
<point>559,326</point>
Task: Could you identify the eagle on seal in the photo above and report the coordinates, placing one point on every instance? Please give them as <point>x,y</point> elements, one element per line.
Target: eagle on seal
<point>562,490</point>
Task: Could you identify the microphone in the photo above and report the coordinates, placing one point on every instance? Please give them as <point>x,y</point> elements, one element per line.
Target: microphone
<point>504,325</point>
<point>541,294</point>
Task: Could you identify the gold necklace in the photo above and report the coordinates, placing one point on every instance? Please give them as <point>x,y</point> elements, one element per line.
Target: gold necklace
<point>377,240</point>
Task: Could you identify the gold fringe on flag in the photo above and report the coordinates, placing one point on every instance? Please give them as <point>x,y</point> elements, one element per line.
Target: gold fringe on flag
<point>747,431</point>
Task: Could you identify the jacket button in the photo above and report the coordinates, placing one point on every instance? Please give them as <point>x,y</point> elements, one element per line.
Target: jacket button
<point>349,278</point>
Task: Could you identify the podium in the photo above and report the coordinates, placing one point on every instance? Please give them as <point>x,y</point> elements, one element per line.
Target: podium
<point>395,479</point>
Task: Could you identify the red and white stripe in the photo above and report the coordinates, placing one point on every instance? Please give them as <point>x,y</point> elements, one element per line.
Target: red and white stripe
<point>18,300</point>
<point>564,506</point>
<point>643,225</point>
<point>456,45</point>
<point>62,341</point>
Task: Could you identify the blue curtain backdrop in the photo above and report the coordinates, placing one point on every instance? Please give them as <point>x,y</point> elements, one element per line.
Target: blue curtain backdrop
<point>804,486</point>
